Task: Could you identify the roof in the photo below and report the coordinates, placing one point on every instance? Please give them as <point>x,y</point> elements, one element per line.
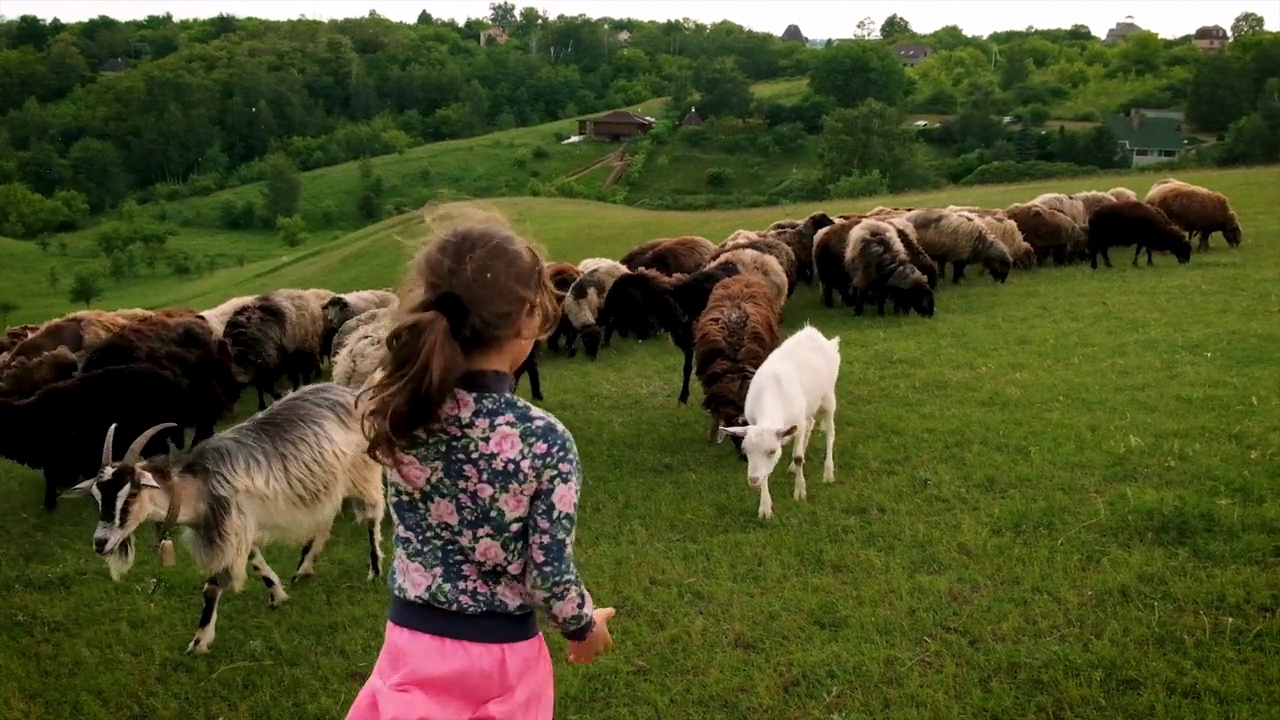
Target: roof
<point>1211,32</point>
<point>911,49</point>
<point>113,65</point>
<point>1156,133</point>
<point>692,118</point>
<point>621,116</point>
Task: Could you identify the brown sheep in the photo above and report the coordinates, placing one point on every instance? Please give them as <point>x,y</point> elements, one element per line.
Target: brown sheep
<point>562,274</point>
<point>769,246</point>
<point>828,262</point>
<point>585,299</point>
<point>1048,232</point>
<point>636,253</point>
<point>1138,224</point>
<point>740,326</point>
<point>879,267</point>
<point>672,256</point>
<point>1007,232</point>
<point>751,261</point>
<point>959,238</point>
<point>279,333</point>
<point>1197,210</point>
<point>798,235</point>
<point>78,332</point>
<point>21,378</point>
<point>911,243</point>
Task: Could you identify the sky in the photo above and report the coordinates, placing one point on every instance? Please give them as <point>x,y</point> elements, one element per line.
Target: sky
<point>816,18</point>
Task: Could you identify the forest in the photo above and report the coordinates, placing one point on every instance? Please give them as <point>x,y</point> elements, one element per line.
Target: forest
<point>104,112</point>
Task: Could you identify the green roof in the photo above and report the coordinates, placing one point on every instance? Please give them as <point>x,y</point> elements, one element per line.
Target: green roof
<point>1155,133</point>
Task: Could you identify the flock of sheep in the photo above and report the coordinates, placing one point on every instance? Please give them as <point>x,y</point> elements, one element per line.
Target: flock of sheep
<point>284,473</point>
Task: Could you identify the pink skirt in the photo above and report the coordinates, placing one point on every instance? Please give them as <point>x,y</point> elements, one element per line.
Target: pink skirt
<point>425,677</point>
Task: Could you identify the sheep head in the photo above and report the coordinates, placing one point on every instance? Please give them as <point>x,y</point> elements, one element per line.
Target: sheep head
<point>1232,232</point>
<point>128,494</point>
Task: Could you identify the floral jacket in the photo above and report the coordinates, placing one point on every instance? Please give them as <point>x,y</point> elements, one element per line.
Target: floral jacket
<point>484,511</point>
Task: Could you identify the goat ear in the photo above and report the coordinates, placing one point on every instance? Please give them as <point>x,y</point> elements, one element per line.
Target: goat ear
<point>788,432</point>
<point>145,479</point>
<point>80,488</point>
<point>735,431</point>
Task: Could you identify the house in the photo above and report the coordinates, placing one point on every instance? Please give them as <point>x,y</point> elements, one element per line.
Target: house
<point>692,119</point>
<point>614,126</point>
<point>498,34</point>
<point>1121,31</point>
<point>911,54</point>
<point>623,36</point>
<point>1211,38</point>
<point>1147,140</point>
<point>793,34</point>
<point>113,66</point>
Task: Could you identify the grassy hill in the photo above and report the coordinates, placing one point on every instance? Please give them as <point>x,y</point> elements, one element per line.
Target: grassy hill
<point>1054,499</point>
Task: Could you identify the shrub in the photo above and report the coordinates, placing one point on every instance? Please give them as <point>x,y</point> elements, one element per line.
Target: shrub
<point>860,184</point>
<point>1008,172</point>
<point>539,152</point>
<point>292,230</point>
<point>719,177</point>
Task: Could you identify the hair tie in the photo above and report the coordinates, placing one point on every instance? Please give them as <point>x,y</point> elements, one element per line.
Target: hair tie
<point>450,305</point>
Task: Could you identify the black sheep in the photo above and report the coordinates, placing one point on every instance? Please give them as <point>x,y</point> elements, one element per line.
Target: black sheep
<point>1134,223</point>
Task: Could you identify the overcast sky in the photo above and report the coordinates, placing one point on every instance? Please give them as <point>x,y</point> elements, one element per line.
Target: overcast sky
<point>816,18</point>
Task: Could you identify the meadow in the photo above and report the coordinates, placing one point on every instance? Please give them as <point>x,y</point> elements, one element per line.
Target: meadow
<point>1056,498</point>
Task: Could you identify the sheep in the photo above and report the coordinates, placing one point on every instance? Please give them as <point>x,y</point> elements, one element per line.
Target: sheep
<point>283,474</point>
<point>363,350</point>
<point>1064,204</point>
<point>749,260</point>
<point>1048,232</point>
<point>186,349</point>
<point>1007,233</point>
<point>530,366</point>
<point>911,243</point>
<point>959,238</point>
<point>341,308</point>
<point>878,264</point>
<point>1091,200</point>
<point>791,392</point>
<point>23,377</point>
<point>632,304</point>
<point>218,315</point>
<point>1122,193</point>
<point>584,300</point>
<point>77,332</point>
<point>1197,210</point>
<point>828,262</point>
<point>767,245</point>
<point>562,275</point>
<point>592,263</point>
<point>673,256</point>
<point>737,331</point>
<point>55,430</point>
<point>798,235</point>
<point>344,333</point>
<point>278,333</point>
<point>1138,224</point>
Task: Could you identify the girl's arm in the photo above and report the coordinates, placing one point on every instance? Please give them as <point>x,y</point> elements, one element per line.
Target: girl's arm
<point>553,515</point>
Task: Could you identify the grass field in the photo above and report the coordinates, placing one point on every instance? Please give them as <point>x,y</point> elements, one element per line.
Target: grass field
<point>1056,499</point>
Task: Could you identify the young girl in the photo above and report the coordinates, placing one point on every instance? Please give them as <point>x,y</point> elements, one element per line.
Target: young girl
<point>483,491</point>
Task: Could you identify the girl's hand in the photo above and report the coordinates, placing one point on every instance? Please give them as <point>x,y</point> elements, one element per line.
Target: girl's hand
<point>597,642</point>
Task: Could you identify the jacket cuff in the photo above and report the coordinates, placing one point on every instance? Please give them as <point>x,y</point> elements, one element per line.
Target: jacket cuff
<point>579,634</point>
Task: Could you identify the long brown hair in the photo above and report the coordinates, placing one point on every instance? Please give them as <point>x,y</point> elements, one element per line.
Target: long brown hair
<point>468,290</point>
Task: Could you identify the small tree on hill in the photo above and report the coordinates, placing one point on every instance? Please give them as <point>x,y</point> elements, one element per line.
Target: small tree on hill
<point>292,230</point>
<point>284,188</point>
<point>53,277</point>
<point>84,289</point>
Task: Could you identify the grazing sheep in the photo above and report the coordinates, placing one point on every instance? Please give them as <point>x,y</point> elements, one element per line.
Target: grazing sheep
<point>911,243</point>
<point>674,256</point>
<point>737,331</point>
<point>585,299</point>
<point>633,304</point>
<point>562,274</point>
<point>1197,210</point>
<point>792,391</point>
<point>1091,200</point>
<point>277,334</point>
<point>1064,204</point>
<point>882,210</point>
<point>1138,224</point>
<point>77,332</point>
<point>283,474</point>
<point>1007,233</point>
<point>744,239</point>
<point>749,260</point>
<point>959,238</point>
<point>218,315</point>
<point>23,377</point>
<point>341,308</point>
<point>798,235</point>
<point>828,262</point>
<point>1123,193</point>
<point>56,429</point>
<point>362,351</point>
<point>1048,232</point>
<point>878,265</point>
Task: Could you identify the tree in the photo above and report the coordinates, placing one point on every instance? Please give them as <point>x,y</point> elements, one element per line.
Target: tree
<point>895,27</point>
<point>7,307</point>
<point>284,188</point>
<point>53,277</point>
<point>870,137</point>
<point>292,230</point>
<point>503,15</point>
<point>851,73</point>
<point>865,29</point>
<point>1247,23</point>
<point>723,91</point>
<point>1220,92</point>
<point>84,289</point>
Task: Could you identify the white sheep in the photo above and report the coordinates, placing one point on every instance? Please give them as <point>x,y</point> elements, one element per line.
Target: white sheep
<point>793,389</point>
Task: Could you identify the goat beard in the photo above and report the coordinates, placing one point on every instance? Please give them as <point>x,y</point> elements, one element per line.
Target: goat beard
<point>120,559</point>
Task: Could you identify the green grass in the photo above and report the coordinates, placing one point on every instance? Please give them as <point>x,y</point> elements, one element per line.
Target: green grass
<point>1054,499</point>
<point>788,90</point>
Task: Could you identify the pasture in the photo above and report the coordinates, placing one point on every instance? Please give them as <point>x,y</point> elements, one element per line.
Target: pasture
<point>1056,498</point>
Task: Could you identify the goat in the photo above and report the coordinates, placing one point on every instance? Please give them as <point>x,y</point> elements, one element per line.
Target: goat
<point>792,390</point>
<point>282,474</point>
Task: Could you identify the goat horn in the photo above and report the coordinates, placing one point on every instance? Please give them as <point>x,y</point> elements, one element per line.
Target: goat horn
<point>134,453</point>
<point>106,447</point>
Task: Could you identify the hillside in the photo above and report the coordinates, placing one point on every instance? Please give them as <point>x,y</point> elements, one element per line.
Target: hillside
<point>1053,499</point>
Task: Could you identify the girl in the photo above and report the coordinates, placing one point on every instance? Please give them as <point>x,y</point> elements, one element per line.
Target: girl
<point>483,491</point>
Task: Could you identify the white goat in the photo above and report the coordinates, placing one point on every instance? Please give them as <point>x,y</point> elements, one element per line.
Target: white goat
<point>793,389</point>
<point>280,475</point>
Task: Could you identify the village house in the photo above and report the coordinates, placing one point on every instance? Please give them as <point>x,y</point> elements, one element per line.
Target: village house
<point>793,34</point>
<point>498,34</point>
<point>692,119</point>
<point>1211,38</point>
<point>911,54</point>
<point>1121,31</point>
<point>1147,140</point>
<point>623,36</point>
<point>614,126</point>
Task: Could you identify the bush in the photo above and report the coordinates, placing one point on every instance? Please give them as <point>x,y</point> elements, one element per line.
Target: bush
<point>860,184</point>
<point>292,230</point>
<point>719,177</point>
<point>539,152</point>
<point>237,215</point>
<point>1008,172</point>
